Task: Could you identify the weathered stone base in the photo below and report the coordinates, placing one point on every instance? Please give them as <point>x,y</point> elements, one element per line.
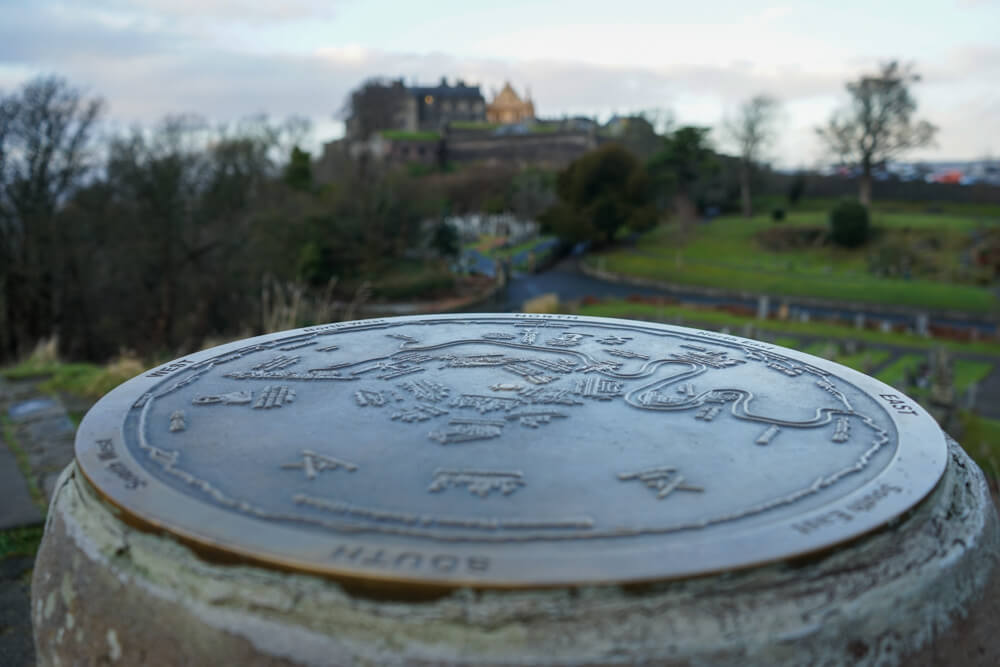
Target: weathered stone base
<point>925,591</point>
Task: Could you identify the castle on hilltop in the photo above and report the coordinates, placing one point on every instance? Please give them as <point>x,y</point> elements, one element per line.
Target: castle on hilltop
<point>431,108</point>
<point>398,124</point>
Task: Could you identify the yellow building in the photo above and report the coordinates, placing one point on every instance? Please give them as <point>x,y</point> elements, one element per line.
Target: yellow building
<point>507,108</point>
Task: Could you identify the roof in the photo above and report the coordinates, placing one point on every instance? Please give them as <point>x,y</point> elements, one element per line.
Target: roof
<point>444,91</point>
<point>507,96</point>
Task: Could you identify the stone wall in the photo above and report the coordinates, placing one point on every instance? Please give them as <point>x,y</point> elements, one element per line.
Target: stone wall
<point>554,149</point>
<point>921,592</point>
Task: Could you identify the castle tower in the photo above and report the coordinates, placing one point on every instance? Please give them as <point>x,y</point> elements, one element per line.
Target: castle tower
<point>508,108</point>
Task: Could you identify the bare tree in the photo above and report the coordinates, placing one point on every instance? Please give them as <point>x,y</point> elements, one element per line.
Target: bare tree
<point>296,130</point>
<point>185,195</point>
<point>45,131</point>
<point>878,124</point>
<point>752,129</point>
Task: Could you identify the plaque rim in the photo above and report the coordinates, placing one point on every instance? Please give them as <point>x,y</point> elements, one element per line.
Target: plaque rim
<point>913,474</point>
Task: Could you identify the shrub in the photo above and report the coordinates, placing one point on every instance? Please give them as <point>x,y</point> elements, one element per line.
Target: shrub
<point>445,240</point>
<point>419,285</point>
<point>796,188</point>
<point>849,224</point>
<point>778,214</point>
<point>315,264</point>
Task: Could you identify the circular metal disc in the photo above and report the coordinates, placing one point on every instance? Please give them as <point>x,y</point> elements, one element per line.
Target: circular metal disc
<point>509,451</point>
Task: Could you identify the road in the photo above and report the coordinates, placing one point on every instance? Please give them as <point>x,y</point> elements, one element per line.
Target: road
<point>570,284</point>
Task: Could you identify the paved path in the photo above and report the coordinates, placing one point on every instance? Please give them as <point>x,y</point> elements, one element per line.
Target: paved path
<point>43,434</point>
<point>566,281</point>
<point>16,646</point>
<point>17,507</point>
<point>571,284</point>
<point>41,429</point>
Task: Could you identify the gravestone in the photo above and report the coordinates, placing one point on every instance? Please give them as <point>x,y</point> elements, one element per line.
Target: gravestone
<point>922,325</point>
<point>763,307</point>
<point>514,489</point>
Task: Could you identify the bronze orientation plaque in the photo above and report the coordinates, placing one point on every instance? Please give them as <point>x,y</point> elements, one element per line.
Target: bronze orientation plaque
<point>509,451</point>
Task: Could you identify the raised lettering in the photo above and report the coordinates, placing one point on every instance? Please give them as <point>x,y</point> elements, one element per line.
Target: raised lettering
<point>351,553</point>
<point>168,369</point>
<point>105,450</point>
<point>408,556</point>
<point>478,563</point>
<point>898,403</point>
<point>444,563</point>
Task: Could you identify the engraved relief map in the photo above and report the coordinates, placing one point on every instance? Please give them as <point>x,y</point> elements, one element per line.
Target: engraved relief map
<point>504,432</point>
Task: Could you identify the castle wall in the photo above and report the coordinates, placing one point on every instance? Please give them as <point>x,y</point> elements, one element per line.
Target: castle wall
<point>557,148</point>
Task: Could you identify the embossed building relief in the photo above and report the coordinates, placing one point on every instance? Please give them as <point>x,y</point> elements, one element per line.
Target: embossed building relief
<point>636,439</point>
<point>312,464</point>
<point>478,482</point>
<point>242,397</point>
<point>663,480</point>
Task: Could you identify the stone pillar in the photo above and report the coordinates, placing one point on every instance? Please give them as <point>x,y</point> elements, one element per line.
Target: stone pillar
<point>763,307</point>
<point>923,591</point>
<point>922,325</point>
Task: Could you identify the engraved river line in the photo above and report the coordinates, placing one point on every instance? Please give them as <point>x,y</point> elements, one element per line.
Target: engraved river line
<point>566,363</point>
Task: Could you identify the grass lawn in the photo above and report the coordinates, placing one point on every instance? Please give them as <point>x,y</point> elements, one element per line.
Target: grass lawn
<point>863,361</point>
<point>785,341</point>
<point>969,372</point>
<point>728,253</point>
<point>543,128</point>
<point>829,349</point>
<point>521,247</point>
<point>407,280</point>
<point>975,210</point>
<point>472,125</point>
<point>21,458</point>
<point>405,135</point>
<point>715,318</point>
<point>894,373</point>
<point>21,541</point>
<point>860,361</point>
<point>82,379</point>
<point>486,244</point>
<point>492,246</point>
<point>821,349</point>
<point>966,371</point>
<point>981,439</point>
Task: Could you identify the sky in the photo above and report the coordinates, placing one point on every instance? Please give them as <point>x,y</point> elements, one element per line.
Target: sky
<point>697,61</point>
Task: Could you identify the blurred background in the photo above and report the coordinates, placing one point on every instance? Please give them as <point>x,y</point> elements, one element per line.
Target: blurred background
<point>174,175</point>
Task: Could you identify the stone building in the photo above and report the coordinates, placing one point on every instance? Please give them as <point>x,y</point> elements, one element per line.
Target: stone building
<point>508,108</point>
<point>434,125</point>
<point>433,107</point>
<point>391,105</point>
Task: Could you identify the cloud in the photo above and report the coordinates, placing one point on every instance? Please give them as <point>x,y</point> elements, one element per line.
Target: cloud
<point>44,36</point>
<point>226,85</point>
<point>964,64</point>
<point>229,11</point>
<point>574,84</point>
<point>156,57</point>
